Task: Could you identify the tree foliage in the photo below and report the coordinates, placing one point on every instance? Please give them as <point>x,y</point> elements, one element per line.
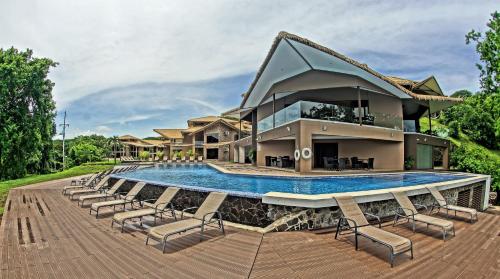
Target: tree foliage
<point>474,159</point>
<point>83,152</point>
<point>27,113</point>
<point>478,117</point>
<point>488,48</point>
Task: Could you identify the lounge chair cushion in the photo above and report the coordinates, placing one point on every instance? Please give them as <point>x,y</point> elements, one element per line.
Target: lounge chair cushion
<point>175,227</point>
<point>122,216</point>
<point>398,243</point>
<point>445,224</point>
<point>462,209</point>
<point>97,205</point>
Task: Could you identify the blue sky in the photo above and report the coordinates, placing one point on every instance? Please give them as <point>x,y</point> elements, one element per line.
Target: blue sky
<point>127,67</point>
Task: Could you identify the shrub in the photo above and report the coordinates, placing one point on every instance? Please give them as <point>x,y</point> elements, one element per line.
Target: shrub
<point>190,153</point>
<point>409,162</point>
<point>474,159</point>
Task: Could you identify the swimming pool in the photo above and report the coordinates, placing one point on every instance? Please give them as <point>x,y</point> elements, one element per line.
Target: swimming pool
<point>201,176</point>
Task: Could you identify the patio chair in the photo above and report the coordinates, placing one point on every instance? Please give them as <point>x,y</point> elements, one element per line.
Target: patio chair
<point>408,211</point>
<point>110,193</point>
<point>328,163</point>
<point>129,198</point>
<point>87,184</point>
<point>159,207</point>
<point>101,185</point>
<point>354,219</point>
<point>355,163</point>
<point>201,218</point>
<point>442,203</point>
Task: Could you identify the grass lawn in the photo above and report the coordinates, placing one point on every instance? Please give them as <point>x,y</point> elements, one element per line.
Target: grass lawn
<point>5,186</point>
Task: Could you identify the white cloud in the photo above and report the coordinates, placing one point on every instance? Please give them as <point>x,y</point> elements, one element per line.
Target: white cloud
<point>103,129</point>
<point>105,44</point>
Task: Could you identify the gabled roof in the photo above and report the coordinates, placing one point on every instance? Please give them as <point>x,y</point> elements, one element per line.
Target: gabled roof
<point>170,133</point>
<point>428,86</point>
<point>311,56</point>
<point>221,120</point>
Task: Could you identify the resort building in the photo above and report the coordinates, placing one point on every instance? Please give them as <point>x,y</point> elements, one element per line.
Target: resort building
<point>312,108</point>
<point>211,137</point>
<point>132,146</point>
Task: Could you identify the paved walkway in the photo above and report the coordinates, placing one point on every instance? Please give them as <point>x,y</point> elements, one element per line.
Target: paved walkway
<point>43,235</point>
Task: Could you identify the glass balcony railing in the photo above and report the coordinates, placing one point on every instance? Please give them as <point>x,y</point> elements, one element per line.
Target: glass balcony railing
<point>329,112</point>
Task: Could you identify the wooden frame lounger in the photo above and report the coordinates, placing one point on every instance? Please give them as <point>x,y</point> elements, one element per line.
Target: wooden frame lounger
<point>159,207</point>
<point>110,193</point>
<point>99,187</point>
<point>442,203</point>
<point>408,211</point>
<point>355,220</point>
<point>129,198</point>
<point>201,218</point>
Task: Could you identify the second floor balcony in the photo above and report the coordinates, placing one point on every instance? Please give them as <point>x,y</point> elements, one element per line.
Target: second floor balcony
<point>330,112</point>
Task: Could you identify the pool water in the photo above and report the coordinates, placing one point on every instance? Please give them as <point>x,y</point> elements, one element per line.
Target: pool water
<point>207,178</point>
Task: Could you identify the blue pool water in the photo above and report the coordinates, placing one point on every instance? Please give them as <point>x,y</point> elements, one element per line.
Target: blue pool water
<point>203,176</point>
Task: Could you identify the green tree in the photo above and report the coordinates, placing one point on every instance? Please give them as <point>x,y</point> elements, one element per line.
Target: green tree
<point>115,144</point>
<point>462,94</point>
<point>488,48</point>
<point>27,112</point>
<point>83,152</point>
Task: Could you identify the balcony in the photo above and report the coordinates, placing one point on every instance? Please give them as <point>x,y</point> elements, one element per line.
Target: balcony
<point>330,112</point>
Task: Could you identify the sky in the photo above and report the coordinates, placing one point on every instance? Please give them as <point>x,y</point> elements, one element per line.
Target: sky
<point>127,67</point>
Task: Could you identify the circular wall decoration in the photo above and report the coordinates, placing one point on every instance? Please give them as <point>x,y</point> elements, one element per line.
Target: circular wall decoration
<point>296,155</point>
<point>306,153</point>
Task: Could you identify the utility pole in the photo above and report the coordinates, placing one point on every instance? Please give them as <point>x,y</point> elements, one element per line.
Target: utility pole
<point>64,125</point>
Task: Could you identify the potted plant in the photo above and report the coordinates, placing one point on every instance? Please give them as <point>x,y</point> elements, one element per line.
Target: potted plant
<point>160,155</point>
<point>252,155</point>
<point>144,155</point>
<point>409,163</point>
<point>190,153</point>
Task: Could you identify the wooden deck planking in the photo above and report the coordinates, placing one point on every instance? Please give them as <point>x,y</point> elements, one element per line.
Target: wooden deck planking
<point>64,241</point>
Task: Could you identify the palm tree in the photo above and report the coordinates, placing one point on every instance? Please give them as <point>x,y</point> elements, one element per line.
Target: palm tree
<point>115,144</point>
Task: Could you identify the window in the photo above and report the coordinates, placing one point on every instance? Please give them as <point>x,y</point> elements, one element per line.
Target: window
<point>213,138</point>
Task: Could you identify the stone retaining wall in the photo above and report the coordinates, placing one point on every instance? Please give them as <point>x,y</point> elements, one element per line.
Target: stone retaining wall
<point>252,212</point>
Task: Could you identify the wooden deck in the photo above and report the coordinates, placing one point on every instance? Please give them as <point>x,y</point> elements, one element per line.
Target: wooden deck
<point>43,235</point>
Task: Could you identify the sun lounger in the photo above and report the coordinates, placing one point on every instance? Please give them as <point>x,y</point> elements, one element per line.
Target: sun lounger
<point>159,207</point>
<point>408,211</point>
<point>442,203</point>
<point>129,198</point>
<point>101,185</point>
<point>87,184</point>
<point>355,220</point>
<point>201,218</point>
<point>111,193</point>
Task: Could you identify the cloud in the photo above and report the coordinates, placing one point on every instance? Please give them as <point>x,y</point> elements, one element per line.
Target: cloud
<point>117,47</point>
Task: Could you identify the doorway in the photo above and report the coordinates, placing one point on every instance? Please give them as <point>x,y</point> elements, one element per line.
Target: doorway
<point>324,149</point>
<point>212,153</point>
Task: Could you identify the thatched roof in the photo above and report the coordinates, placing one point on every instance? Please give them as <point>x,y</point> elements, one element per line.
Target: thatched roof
<point>390,80</point>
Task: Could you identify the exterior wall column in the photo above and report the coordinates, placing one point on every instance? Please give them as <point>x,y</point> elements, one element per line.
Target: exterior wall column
<point>446,158</point>
<point>241,154</point>
<point>303,139</point>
